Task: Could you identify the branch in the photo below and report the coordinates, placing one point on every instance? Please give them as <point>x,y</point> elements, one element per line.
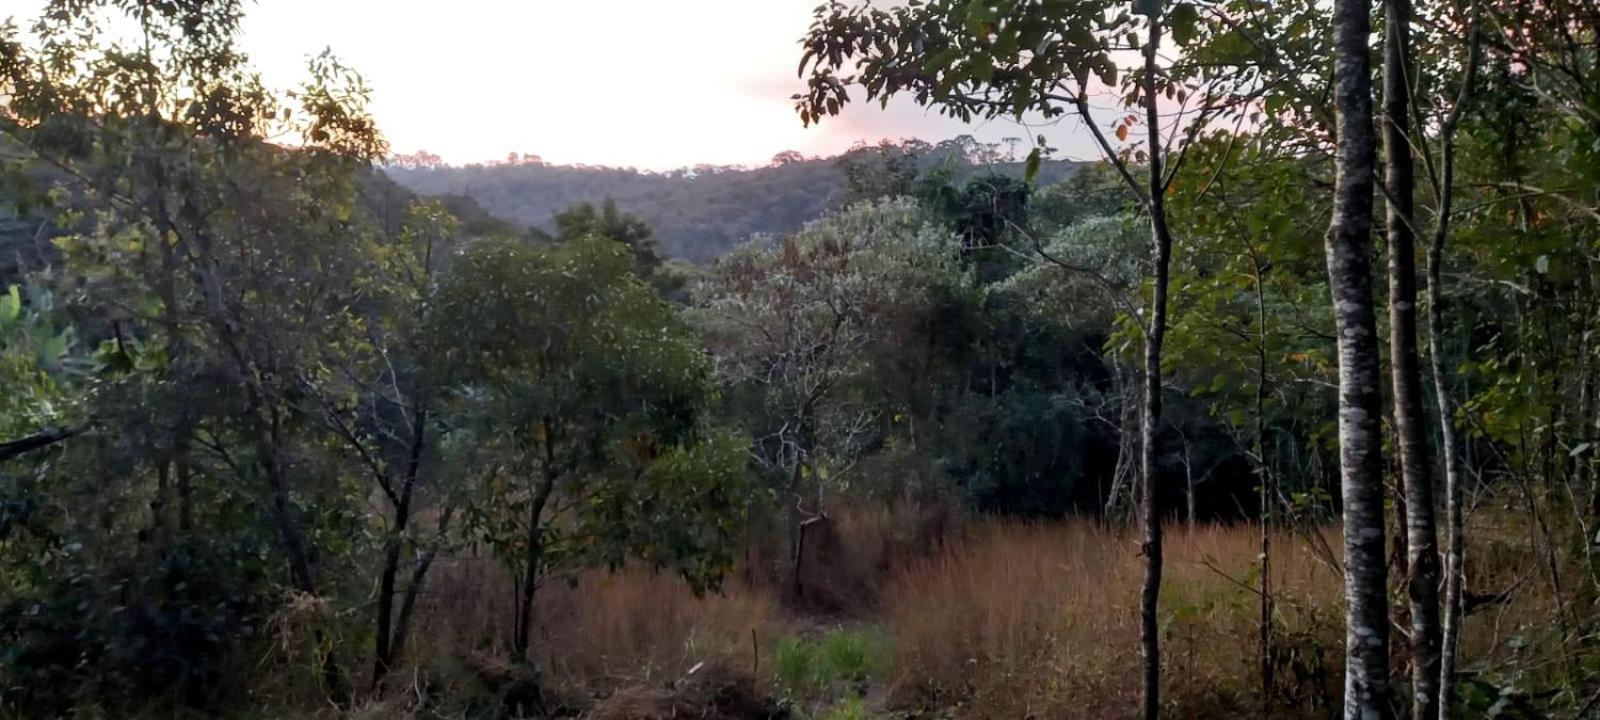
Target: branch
<point>42,439</point>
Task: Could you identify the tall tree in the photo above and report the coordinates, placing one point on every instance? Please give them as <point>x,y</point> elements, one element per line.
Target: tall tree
<point>583,396</point>
<point>1441,174</point>
<point>1349,247</point>
<point>1422,551</point>
<point>1010,58</point>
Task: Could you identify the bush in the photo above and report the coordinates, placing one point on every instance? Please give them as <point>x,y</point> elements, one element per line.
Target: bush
<point>843,657</point>
<point>144,628</point>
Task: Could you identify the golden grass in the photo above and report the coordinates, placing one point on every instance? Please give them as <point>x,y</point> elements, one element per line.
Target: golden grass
<point>603,632</point>
<point>994,619</point>
<point>1042,620</point>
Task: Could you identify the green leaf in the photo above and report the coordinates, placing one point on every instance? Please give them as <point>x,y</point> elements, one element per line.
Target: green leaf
<point>1032,168</point>
<point>1183,19</point>
<point>11,304</point>
<point>1147,7</point>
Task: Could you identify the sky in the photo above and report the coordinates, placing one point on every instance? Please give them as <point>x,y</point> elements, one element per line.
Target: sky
<point>653,84</point>
<point>643,83</point>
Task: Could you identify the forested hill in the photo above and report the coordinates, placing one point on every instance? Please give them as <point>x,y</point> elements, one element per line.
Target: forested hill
<point>699,213</point>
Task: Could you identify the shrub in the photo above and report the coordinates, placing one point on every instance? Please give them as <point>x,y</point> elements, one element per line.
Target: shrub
<point>150,628</point>
<point>814,666</point>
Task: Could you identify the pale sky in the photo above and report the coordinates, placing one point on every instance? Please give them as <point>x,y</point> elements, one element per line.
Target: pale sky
<point>655,84</point>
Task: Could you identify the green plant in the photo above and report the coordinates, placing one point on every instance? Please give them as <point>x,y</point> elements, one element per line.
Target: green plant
<point>852,708</point>
<point>811,666</point>
<point>794,663</point>
<point>856,655</point>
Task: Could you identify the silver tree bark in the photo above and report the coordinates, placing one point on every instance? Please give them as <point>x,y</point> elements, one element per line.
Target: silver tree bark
<point>1422,551</point>
<point>1349,244</point>
<point>1450,631</point>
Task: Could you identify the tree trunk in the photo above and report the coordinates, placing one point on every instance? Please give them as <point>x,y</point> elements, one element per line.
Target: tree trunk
<point>1450,445</point>
<point>1127,445</point>
<point>1268,489</point>
<point>1422,550</point>
<point>302,574</point>
<point>1349,244</point>
<point>531,562</point>
<point>1189,486</point>
<point>530,574</point>
<point>185,492</point>
<point>1161,241</point>
<point>388,634</point>
<point>408,604</point>
<point>385,613</point>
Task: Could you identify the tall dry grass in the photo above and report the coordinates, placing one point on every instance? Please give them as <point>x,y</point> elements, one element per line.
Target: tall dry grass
<point>1029,620</point>
<point>602,631</point>
<point>992,618</point>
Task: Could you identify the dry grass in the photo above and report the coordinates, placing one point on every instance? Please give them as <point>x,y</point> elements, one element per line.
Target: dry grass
<point>1042,620</point>
<point>991,619</point>
<point>603,632</point>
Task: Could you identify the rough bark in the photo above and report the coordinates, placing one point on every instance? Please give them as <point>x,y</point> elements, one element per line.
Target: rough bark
<point>1422,551</point>
<point>1161,252</point>
<point>1349,244</point>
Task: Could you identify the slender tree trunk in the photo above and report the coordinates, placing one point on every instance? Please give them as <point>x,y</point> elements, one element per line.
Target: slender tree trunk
<point>1161,251</point>
<point>408,604</point>
<point>1422,551</point>
<point>185,491</point>
<point>158,505</point>
<point>1349,245</point>
<point>530,575</point>
<point>1450,444</point>
<point>385,611</point>
<point>302,574</point>
<point>1268,489</point>
<point>535,554</point>
<point>1127,445</point>
<point>1188,476</point>
<point>388,634</point>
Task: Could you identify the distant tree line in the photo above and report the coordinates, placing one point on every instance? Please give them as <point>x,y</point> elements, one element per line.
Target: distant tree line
<point>696,213</point>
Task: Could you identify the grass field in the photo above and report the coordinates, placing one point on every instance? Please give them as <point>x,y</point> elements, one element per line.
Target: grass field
<point>992,619</point>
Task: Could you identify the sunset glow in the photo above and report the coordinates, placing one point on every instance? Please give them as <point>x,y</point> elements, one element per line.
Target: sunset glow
<point>608,82</point>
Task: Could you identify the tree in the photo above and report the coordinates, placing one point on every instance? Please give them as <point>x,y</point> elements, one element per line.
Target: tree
<point>1011,58</point>
<point>380,401</point>
<point>795,324</point>
<point>1421,539</point>
<point>876,172</point>
<point>582,396</point>
<point>1441,174</point>
<point>1349,245</point>
<point>584,220</point>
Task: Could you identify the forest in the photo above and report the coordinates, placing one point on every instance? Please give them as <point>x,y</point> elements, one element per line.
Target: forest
<point>698,213</point>
<point>1284,404</point>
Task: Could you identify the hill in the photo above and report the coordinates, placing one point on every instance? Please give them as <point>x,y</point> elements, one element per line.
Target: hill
<point>699,213</point>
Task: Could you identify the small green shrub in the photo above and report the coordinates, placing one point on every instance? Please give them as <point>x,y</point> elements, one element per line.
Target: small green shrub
<point>857,655</point>
<point>852,708</point>
<point>795,664</point>
<point>806,666</point>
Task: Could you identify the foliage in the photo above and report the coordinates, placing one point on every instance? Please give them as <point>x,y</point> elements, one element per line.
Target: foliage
<point>582,393</point>
<point>697,214</point>
<point>807,666</point>
<point>252,388</point>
